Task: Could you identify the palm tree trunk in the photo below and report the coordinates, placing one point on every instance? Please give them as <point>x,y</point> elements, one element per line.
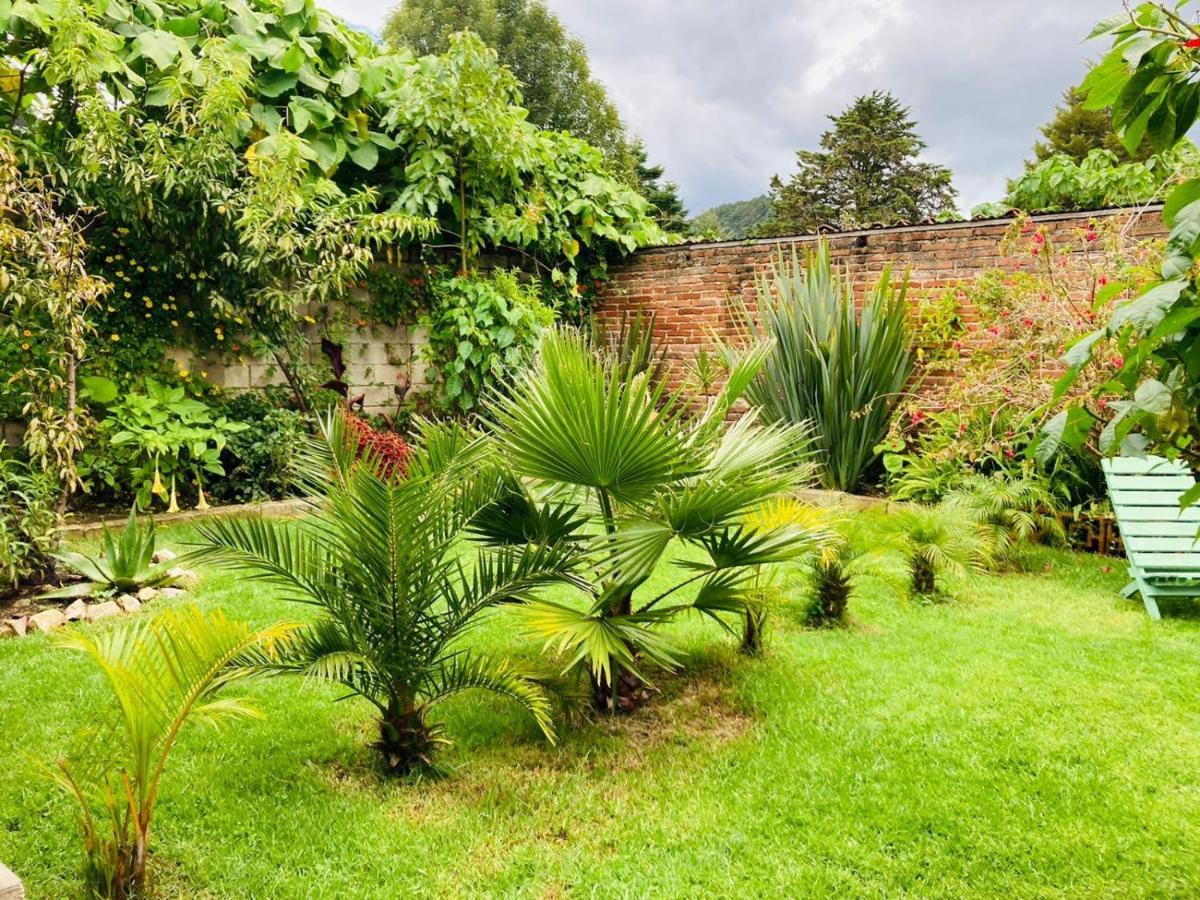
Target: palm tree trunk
<point>406,741</point>
<point>923,578</point>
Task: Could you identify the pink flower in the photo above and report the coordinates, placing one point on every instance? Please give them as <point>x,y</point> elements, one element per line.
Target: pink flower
<point>1039,238</point>
<point>1008,451</point>
<point>1117,361</point>
<point>1027,322</point>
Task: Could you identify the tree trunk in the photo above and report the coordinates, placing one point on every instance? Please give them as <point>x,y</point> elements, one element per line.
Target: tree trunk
<point>923,578</point>
<point>406,741</point>
<point>293,382</point>
<point>67,485</point>
<point>752,632</point>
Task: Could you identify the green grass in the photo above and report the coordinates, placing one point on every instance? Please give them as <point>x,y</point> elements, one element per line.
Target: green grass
<point>1036,737</point>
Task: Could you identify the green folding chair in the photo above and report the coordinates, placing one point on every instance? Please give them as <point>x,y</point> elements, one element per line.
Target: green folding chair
<point>1160,538</point>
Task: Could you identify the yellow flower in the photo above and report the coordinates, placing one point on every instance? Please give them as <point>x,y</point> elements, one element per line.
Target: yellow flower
<point>108,259</point>
<point>114,337</point>
<point>310,320</point>
<point>183,373</point>
<point>191,315</point>
<point>154,268</point>
<point>24,346</point>
<point>128,295</point>
<point>174,323</point>
<point>26,333</point>
<point>203,374</point>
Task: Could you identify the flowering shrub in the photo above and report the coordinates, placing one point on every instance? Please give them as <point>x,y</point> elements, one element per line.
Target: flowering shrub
<point>1005,358</point>
<point>387,450</point>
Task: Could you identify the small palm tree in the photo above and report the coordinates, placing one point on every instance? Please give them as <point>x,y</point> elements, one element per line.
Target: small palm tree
<point>935,539</point>
<point>163,673</point>
<point>1015,511</point>
<point>608,461</point>
<point>382,559</point>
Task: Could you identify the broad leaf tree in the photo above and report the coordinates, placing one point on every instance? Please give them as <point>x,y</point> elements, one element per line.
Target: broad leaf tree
<point>1149,80</point>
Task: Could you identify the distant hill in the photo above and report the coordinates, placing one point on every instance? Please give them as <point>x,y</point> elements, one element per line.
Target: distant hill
<point>731,221</point>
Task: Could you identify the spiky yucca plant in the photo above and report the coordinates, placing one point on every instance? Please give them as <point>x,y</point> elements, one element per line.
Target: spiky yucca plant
<point>842,369</point>
<point>636,470</point>
<point>163,672</point>
<point>1015,511</point>
<point>937,539</point>
<point>382,560</point>
<point>124,566</point>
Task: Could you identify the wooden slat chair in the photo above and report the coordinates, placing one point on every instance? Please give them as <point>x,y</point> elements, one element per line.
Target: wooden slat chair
<point>1160,538</point>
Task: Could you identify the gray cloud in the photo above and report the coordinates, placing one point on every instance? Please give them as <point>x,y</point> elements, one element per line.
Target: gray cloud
<point>725,92</point>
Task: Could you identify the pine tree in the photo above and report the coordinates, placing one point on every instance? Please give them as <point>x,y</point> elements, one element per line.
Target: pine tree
<point>666,205</point>
<point>867,172</point>
<point>1075,131</point>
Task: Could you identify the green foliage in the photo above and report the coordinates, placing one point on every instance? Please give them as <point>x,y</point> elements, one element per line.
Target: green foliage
<point>550,64</point>
<point>479,329</point>
<point>260,458</point>
<point>28,523</point>
<point>161,673</point>
<point>867,172</point>
<point>1013,513</point>
<point>383,563</point>
<point>577,424</point>
<point>1076,130</point>
<point>831,365</point>
<point>937,539</point>
<point>731,221</point>
<point>125,566</point>
<point>1148,80</point>
<point>1100,180</point>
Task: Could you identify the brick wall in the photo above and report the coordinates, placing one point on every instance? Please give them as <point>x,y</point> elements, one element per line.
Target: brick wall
<point>694,289</point>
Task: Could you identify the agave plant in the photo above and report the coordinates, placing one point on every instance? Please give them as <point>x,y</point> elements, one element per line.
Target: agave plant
<point>125,566</point>
<point>382,559</point>
<point>937,539</point>
<point>838,368</point>
<point>162,674</point>
<point>610,463</point>
<point>1015,511</point>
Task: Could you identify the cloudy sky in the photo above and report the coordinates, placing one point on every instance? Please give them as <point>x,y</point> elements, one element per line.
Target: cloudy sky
<point>725,91</point>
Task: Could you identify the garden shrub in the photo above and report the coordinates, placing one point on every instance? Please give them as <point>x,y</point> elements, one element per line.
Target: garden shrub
<point>260,460</point>
<point>480,326</point>
<point>28,523</point>
<point>387,451</point>
<point>835,367</point>
<point>987,418</point>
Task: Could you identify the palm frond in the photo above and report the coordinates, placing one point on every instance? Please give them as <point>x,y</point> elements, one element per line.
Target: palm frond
<point>472,671</point>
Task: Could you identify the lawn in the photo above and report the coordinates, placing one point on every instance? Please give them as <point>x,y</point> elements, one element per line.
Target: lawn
<point>1038,736</point>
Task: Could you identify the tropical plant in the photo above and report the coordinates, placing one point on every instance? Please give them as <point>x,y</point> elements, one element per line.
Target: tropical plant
<point>1013,511</point>
<point>619,468</point>
<point>938,539</point>
<point>839,369</point>
<point>126,565</point>
<point>162,673</point>
<point>382,560</point>
<point>168,434</point>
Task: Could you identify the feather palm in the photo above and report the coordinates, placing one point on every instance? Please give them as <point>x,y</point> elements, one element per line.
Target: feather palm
<point>162,674</point>
<point>382,560</point>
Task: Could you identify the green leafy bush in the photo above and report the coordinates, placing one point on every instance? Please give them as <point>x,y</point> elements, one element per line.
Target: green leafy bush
<point>28,523</point>
<point>841,370</point>
<point>1101,180</point>
<point>259,460</point>
<point>479,327</point>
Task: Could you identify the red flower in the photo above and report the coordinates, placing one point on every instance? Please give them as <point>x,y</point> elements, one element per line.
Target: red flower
<point>1117,361</point>
<point>1027,322</point>
<point>1103,280</point>
<point>1036,251</point>
<point>1009,453</point>
<point>1039,238</point>
<point>1091,235</point>
<point>1193,43</point>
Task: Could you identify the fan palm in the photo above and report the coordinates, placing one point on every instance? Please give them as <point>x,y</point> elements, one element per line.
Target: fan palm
<point>381,558</point>
<point>935,539</point>
<point>838,368</point>
<point>1015,511</point>
<point>162,673</point>
<point>613,463</point>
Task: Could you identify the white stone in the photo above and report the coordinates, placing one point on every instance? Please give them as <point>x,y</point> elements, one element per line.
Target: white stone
<point>103,610</point>
<point>147,594</point>
<point>129,603</point>
<point>76,611</point>
<point>171,593</point>
<point>10,885</point>
<point>162,555</point>
<point>183,578</point>
<point>47,620</point>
